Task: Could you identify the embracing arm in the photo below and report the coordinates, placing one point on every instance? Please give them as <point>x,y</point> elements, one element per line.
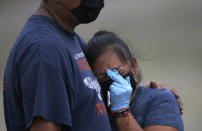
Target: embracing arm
<point>154,84</point>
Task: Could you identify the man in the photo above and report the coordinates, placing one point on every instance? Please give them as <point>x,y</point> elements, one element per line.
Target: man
<point>48,84</point>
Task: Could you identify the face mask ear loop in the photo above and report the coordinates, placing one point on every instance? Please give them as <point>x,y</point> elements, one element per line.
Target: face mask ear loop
<point>57,2</point>
<point>132,80</point>
<point>135,78</point>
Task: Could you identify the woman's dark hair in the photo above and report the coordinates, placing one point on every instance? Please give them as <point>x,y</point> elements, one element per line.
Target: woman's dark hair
<point>103,41</point>
<point>46,1</point>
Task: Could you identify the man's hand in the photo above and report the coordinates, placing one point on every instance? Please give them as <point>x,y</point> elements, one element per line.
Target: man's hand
<point>154,84</point>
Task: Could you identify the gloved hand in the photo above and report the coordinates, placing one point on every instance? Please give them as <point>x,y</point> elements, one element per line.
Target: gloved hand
<point>120,91</point>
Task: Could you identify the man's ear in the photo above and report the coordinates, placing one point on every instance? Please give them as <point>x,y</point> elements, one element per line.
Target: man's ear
<point>134,68</point>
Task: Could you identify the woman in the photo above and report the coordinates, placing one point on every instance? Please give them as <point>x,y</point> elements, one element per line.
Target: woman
<point>131,109</point>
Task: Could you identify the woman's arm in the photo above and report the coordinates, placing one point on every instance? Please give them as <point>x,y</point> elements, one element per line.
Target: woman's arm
<point>160,128</point>
<point>161,113</point>
<point>130,124</point>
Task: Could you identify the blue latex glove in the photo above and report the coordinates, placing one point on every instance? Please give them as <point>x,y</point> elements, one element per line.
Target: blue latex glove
<point>120,91</point>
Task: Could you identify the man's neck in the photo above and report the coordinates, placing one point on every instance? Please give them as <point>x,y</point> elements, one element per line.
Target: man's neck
<point>66,25</point>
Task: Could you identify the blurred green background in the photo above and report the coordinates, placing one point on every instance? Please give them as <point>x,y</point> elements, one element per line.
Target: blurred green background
<point>166,36</point>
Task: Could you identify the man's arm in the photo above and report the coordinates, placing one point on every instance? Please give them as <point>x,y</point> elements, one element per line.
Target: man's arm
<point>39,124</point>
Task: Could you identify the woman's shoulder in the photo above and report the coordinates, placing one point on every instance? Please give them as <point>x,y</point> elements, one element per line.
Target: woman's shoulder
<point>154,93</point>
<point>146,97</point>
<point>159,106</point>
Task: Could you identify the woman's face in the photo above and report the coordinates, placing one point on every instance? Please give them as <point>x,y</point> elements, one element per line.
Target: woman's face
<point>110,60</point>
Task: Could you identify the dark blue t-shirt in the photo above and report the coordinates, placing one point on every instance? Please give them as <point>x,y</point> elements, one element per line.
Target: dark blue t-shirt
<point>155,107</point>
<point>48,75</point>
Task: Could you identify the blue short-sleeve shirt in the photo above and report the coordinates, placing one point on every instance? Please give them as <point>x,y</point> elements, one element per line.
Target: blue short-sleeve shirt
<point>155,107</point>
<point>48,75</point>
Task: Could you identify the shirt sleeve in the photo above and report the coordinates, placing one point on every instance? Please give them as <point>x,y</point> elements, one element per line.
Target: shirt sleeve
<point>164,110</point>
<point>44,94</point>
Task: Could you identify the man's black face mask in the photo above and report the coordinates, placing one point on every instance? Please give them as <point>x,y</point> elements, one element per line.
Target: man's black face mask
<point>105,86</point>
<point>88,10</point>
